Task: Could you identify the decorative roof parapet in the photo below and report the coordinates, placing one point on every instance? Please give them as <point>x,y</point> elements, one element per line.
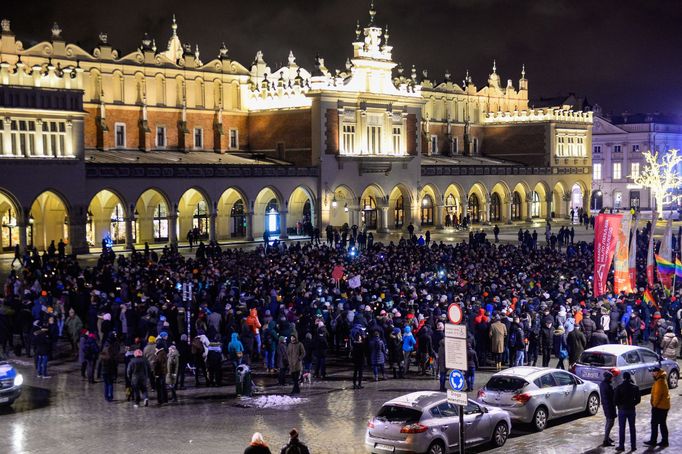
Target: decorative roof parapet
<point>538,115</point>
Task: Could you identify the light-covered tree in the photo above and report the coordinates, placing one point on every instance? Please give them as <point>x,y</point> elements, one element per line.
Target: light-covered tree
<point>662,177</point>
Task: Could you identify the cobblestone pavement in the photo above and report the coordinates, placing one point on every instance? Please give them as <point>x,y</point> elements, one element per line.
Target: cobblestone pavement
<point>64,411</point>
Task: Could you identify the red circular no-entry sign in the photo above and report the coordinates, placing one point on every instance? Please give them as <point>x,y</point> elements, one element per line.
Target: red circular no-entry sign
<point>455,314</point>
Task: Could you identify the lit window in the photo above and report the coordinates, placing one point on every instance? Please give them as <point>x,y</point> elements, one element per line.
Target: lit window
<point>234,139</point>
<point>634,170</point>
<point>617,175</point>
<point>120,135</point>
<point>161,136</point>
<point>374,139</point>
<point>397,149</point>
<point>54,136</point>
<point>596,171</point>
<point>348,139</point>
<point>198,138</point>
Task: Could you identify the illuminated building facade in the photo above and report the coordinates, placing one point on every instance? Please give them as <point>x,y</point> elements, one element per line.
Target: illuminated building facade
<point>144,146</point>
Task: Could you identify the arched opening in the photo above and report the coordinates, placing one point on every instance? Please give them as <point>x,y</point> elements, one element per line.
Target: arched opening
<point>267,213</point>
<point>426,216</point>
<point>474,209</point>
<point>301,213</point>
<point>49,221</point>
<point>106,220</point>
<point>617,200</point>
<point>495,208</point>
<point>193,216</point>
<point>597,200</point>
<point>231,220</point>
<point>399,212</point>
<point>369,212</point>
<point>538,207</point>
<point>516,206</point>
<point>152,217</point>
<point>272,216</point>
<point>342,200</point>
<point>452,209</point>
<point>9,233</point>
<point>535,208</point>
<point>576,196</point>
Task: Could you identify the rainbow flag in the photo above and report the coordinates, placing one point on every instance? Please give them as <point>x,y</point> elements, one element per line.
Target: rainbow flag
<point>678,268</point>
<point>664,266</point>
<point>649,298</point>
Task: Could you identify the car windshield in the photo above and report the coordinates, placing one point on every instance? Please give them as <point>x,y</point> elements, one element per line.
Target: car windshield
<point>597,359</point>
<point>505,383</point>
<point>397,413</point>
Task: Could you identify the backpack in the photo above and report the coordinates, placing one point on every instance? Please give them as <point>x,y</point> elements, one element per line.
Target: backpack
<point>512,338</point>
<point>197,346</point>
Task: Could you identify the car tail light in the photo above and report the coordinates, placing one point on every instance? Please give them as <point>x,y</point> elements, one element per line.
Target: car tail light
<point>481,393</point>
<point>414,429</point>
<point>572,369</point>
<point>521,398</point>
<point>370,424</point>
<point>615,371</point>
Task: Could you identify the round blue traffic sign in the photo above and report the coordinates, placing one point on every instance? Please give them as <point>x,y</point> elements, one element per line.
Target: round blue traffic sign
<point>457,380</point>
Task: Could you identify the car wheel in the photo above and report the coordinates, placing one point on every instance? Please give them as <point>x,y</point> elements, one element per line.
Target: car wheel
<point>673,379</point>
<point>540,419</point>
<point>592,404</point>
<point>437,447</point>
<point>500,435</point>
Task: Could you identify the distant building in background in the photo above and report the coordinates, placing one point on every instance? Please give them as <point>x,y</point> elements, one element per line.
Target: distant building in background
<point>618,142</point>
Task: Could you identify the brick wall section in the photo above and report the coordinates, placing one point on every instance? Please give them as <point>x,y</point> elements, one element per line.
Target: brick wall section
<point>168,118</point>
<point>411,134</point>
<point>292,127</point>
<point>526,144</point>
<point>332,131</point>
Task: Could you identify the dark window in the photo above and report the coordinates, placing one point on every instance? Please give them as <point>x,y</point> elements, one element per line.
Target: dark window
<point>597,359</point>
<point>563,379</point>
<point>546,381</point>
<point>393,413</point>
<point>505,383</point>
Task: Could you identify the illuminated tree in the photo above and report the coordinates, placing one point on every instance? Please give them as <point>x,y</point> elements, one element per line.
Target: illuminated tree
<point>662,177</point>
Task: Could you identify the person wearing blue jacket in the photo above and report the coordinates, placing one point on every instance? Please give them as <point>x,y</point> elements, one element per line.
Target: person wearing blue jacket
<point>409,343</point>
<point>235,350</point>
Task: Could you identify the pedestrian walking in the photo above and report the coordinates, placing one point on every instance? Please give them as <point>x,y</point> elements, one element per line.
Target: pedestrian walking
<point>626,397</point>
<point>660,405</point>
<point>608,406</point>
<point>357,354</point>
<point>294,446</point>
<point>295,354</point>
<point>257,445</point>
<point>173,367</point>
<point>138,372</point>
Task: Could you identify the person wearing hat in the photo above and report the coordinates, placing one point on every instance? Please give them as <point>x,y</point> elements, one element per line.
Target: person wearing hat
<point>660,405</point>
<point>294,446</point>
<point>608,406</point>
<point>138,372</point>
<point>670,344</point>
<point>626,397</point>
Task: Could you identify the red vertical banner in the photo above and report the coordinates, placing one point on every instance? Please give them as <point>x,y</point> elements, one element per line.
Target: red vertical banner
<point>621,266</point>
<point>606,229</point>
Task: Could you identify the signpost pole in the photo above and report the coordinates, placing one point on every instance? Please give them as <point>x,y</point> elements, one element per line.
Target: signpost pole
<point>456,358</point>
<point>461,429</point>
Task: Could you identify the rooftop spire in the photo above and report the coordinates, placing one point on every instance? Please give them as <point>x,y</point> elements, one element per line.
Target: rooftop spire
<point>523,71</point>
<point>494,66</point>
<point>174,26</point>
<point>372,13</point>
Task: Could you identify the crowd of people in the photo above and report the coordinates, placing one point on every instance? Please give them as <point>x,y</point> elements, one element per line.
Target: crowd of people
<point>278,309</point>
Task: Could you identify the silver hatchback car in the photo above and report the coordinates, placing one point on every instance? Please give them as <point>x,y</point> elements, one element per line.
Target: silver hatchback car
<point>535,394</point>
<point>425,422</point>
<point>618,358</point>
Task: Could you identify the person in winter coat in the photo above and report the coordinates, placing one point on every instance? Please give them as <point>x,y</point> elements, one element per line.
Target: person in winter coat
<point>214,364</point>
<point>235,351</point>
<point>138,373</point>
<point>257,445</point>
<point>560,347</point>
<point>424,349</point>
<point>670,345</point>
<point>472,365</point>
<point>91,353</point>
<point>108,360</point>
<point>626,397</point>
<point>409,343</point>
<point>320,347</point>
<point>357,354</point>
<point>608,406</point>
<point>498,334</point>
<point>282,361</point>
<point>395,353</point>
<point>41,341</point>
<point>270,346</point>
<point>294,446</point>
<point>73,325</point>
<point>295,354</point>
<point>576,342</point>
<point>546,340</point>
<point>254,325</point>
<point>660,405</point>
<point>517,345</point>
<point>172,368</point>
<point>598,338</point>
<point>377,355</point>
<point>160,368</point>
<point>442,370</point>
<point>588,326</point>
<point>199,350</point>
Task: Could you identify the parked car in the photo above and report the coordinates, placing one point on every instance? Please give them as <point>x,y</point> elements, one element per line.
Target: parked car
<point>536,395</point>
<point>619,358</point>
<point>425,422</point>
<point>10,382</point>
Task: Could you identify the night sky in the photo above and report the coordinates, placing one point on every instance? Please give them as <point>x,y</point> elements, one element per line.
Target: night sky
<point>621,54</point>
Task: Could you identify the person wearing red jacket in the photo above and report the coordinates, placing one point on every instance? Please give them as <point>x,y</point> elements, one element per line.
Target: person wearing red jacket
<point>254,325</point>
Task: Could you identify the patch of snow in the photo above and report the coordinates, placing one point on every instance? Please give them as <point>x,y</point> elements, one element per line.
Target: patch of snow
<point>272,401</point>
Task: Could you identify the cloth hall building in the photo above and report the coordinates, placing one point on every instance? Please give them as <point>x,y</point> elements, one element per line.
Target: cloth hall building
<point>144,146</point>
